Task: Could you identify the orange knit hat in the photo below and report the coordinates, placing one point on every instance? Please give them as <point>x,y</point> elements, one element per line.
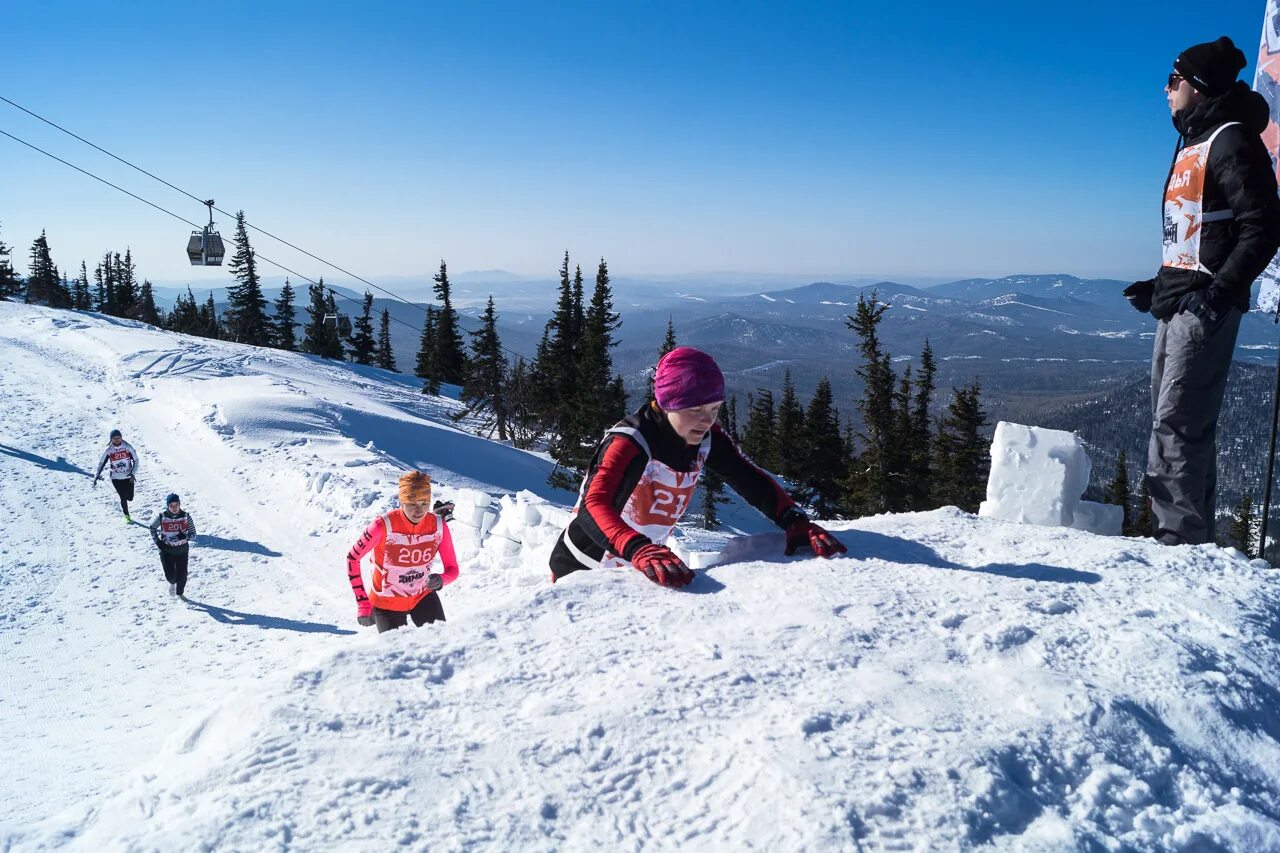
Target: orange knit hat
<point>415,488</point>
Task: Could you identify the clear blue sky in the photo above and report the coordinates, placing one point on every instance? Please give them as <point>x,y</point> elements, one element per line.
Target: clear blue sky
<point>896,139</point>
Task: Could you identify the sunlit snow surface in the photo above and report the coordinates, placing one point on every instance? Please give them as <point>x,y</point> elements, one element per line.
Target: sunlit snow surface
<point>955,682</point>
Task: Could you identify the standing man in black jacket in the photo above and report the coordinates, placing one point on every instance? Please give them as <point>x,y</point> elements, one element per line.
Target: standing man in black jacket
<point>1221,228</point>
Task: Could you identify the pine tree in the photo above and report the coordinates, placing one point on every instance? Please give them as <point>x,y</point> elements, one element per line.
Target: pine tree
<point>822,468</point>
<point>80,296</point>
<point>283,334</point>
<point>209,326</point>
<point>872,488</point>
<point>1144,524</point>
<point>427,366</point>
<point>486,386</point>
<point>10,283</point>
<point>451,359</point>
<point>106,273</point>
<point>320,335</point>
<point>1118,493</point>
<point>362,344</point>
<point>126,283</point>
<point>42,283</point>
<point>920,473</point>
<point>730,417</point>
<point>386,359</point>
<point>758,435</point>
<point>1244,525</point>
<point>963,455</point>
<point>100,302</point>
<point>246,315</point>
<point>788,431</point>
<point>523,419</point>
<point>185,317</point>
<point>668,344</point>
<point>600,401</point>
<point>146,307</point>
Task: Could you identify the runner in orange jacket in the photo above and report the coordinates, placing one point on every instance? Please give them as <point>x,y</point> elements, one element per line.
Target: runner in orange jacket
<point>405,542</point>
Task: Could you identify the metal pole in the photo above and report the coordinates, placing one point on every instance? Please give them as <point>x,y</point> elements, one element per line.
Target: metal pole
<point>1271,459</point>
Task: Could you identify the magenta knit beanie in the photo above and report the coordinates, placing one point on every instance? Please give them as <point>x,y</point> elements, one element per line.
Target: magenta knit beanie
<point>686,378</point>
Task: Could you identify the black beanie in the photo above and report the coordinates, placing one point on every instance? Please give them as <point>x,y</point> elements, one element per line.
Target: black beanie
<point>1211,67</point>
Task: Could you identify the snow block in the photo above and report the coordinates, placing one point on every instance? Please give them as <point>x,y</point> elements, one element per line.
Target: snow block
<point>1037,477</point>
<point>1102,519</point>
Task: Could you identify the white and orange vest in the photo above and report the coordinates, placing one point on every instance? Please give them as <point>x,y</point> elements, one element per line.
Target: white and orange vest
<point>403,560</point>
<point>1184,206</point>
<point>659,499</point>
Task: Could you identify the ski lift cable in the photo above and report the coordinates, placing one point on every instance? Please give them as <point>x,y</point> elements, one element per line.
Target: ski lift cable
<point>220,210</point>
<point>204,202</point>
<point>180,218</point>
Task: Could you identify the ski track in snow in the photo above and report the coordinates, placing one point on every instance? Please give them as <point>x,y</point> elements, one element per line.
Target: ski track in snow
<point>955,683</point>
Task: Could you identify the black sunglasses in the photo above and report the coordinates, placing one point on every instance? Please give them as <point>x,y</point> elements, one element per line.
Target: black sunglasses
<point>1174,79</point>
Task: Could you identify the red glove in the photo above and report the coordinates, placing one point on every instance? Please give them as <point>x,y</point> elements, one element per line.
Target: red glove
<point>661,566</point>
<point>805,532</point>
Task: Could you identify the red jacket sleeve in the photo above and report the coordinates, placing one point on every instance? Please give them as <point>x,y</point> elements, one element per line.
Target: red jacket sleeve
<point>374,534</point>
<point>604,497</point>
<point>447,556</point>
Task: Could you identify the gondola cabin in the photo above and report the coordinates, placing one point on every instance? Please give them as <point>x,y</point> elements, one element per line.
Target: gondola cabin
<point>204,247</point>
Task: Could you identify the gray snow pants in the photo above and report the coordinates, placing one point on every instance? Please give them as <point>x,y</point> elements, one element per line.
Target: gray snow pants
<point>1188,377</point>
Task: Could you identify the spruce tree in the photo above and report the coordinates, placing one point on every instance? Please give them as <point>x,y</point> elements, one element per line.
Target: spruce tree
<point>185,317</point>
<point>209,326</point>
<point>320,335</point>
<point>758,436</point>
<point>788,431</point>
<point>1144,524</point>
<point>10,283</point>
<point>822,469</point>
<point>106,272</point>
<point>100,301</point>
<point>126,283</point>
<point>1118,493</point>
<point>872,489</point>
<point>730,417</point>
<point>246,316</point>
<point>283,334</point>
<point>80,296</point>
<point>486,386</point>
<point>1244,525</point>
<point>523,420</point>
<point>146,306</point>
<point>598,403</point>
<point>427,366</point>
<point>362,344</point>
<point>451,359</point>
<point>668,344</point>
<point>42,283</point>
<point>963,455</point>
<point>920,451</point>
<point>386,359</point>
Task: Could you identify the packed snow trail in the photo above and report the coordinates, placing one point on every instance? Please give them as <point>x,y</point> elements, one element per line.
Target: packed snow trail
<point>953,683</point>
<point>100,665</point>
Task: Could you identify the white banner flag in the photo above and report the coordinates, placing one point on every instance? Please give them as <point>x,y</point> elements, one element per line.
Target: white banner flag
<point>1266,81</point>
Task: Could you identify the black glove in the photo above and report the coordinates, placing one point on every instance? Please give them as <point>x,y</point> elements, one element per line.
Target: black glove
<point>1139,294</point>
<point>434,582</point>
<point>1209,305</point>
<point>364,621</point>
<point>444,509</point>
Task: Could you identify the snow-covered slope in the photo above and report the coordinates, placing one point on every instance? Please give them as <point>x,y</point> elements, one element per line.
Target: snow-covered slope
<point>953,683</point>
